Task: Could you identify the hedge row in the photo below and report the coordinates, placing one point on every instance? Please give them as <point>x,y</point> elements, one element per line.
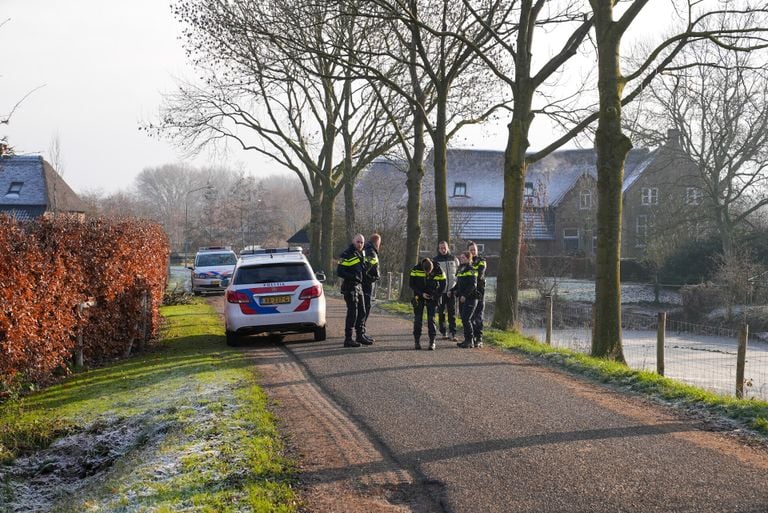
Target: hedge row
<point>49,266</point>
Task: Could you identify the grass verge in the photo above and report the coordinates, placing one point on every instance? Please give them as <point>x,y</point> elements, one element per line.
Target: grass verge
<point>749,412</point>
<point>206,440</point>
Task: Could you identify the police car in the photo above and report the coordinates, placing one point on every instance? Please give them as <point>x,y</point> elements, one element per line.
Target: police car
<point>274,290</point>
<point>212,265</point>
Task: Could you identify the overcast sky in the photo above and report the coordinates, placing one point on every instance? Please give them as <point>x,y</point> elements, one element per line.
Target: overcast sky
<point>101,67</point>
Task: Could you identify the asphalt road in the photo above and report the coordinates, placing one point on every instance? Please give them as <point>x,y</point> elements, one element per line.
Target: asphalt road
<point>496,433</point>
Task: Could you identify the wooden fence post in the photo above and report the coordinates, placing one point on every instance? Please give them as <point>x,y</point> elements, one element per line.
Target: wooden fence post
<point>79,344</point>
<point>389,286</point>
<point>549,320</point>
<point>660,334</point>
<point>741,357</point>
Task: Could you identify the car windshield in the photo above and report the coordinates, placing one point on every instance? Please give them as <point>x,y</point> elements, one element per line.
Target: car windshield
<point>270,273</point>
<point>215,259</point>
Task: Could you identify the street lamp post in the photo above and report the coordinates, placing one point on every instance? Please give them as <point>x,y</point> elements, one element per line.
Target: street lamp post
<point>186,218</point>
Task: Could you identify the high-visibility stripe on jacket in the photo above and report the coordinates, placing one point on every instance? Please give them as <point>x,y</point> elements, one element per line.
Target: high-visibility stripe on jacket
<point>432,283</point>
<point>351,266</point>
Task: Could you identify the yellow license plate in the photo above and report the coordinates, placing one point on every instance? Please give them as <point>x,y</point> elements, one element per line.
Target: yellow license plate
<point>215,283</point>
<point>275,300</point>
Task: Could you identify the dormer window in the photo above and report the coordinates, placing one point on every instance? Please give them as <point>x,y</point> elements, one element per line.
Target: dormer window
<point>529,189</point>
<point>460,189</point>
<point>693,196</point>
<point>14,190</point>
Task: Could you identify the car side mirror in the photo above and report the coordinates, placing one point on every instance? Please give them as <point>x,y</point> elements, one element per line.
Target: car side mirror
<point>190,268</point>
<point>225,281</point>
<point>320,275</point>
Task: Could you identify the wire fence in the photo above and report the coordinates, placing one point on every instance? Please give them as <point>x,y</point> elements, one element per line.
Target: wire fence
<point>699,355</point>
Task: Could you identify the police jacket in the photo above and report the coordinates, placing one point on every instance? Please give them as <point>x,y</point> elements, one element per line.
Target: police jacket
<point>466,282</point>
<point>372,264</point>
<point>479,264</point>
<point>432,283</point>
<point>450,265</point>
<point>351,267</point>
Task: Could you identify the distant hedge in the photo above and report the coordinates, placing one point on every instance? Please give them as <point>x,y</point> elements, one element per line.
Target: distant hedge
<point>48,266</point>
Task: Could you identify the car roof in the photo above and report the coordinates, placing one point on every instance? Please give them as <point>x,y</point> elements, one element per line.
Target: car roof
<point>272,255</point>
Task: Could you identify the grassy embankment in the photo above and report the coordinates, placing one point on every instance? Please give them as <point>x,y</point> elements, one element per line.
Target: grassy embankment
<point>208,442</point>
<point>749,412</point>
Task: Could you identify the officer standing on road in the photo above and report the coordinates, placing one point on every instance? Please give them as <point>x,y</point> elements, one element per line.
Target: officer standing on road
<point>370,277</point>
<point>446,307</point>
<point>478,263</point>
<point>428,282</point>
<point>465,291</point>
<point>351,270</point>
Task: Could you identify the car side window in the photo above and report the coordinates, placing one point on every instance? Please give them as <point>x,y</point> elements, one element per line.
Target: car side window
<point>271,273</point>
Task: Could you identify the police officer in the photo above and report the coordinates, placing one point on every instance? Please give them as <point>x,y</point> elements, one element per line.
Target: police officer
<point>428,282</point>
<point>351,270</point>
<point>370,277</point>
<point>478,263</point>
<point>465,292</point>
<point>446,307</point>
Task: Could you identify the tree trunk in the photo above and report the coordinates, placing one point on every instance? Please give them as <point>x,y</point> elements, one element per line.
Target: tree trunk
<point>612,147</point>
<point>326,252</point>
<point>506,313</point>
<point>413,224</point>
<point>440,143</point>
<point>315,231</point>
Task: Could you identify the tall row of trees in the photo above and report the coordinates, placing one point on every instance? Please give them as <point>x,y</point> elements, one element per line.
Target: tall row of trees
<point>326,87</point>
<point>207,206</point>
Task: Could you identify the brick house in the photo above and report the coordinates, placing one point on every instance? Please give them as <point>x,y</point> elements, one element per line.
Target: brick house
<point>30,188</point>
<point>561,197</point>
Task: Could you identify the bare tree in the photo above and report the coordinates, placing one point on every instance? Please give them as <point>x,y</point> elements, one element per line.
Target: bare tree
<point>613,145</point>
<point>266,95</point>
<point>719,106</point>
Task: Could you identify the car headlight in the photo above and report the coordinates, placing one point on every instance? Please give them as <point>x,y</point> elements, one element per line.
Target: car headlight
<point>201,275</point>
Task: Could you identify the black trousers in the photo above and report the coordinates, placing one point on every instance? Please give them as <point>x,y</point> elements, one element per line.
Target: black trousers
<point>446,310</point>
<point>467,312</point>
<point>419,306</point>
<point>367,293</point>
<point>355,311</point>
<point>477,318</point>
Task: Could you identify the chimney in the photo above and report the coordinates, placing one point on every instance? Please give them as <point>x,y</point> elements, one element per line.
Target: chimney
<point>673,136</point>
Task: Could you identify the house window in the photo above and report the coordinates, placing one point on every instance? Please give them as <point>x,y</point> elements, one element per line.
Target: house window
<point>571,240</point>
<point>529,189</point>
<point>480,248</point>
<point>15,189</point>
<point>650,196</point>
<point>693,196</point>
<point>460,189</point>
<point>585,199</point>
<point>594,245</point>
<point>641,230</point>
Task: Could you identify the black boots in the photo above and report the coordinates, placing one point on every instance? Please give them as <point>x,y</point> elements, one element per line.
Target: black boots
<point>348,342</point>
<point>365,339</point>
<point>465,345</point>
<point>417,344</point>
<point>432,344</point>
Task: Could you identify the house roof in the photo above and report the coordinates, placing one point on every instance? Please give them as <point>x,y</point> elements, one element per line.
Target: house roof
<point>483,173</point>
<point>29,184</point>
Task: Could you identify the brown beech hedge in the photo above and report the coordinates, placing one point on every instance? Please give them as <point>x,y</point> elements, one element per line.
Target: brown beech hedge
<point>50,266</point>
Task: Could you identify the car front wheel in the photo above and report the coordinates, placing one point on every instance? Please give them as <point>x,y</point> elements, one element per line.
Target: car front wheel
<point>320,334</point>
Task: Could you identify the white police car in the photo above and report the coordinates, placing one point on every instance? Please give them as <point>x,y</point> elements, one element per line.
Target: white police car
<point>212,265</point>
<point>274,290</point>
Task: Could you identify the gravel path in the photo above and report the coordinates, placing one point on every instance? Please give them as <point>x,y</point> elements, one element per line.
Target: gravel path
<point>480,430</point>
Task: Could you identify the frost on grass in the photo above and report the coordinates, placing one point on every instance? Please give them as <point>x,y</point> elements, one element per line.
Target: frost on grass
<point>37,482</point>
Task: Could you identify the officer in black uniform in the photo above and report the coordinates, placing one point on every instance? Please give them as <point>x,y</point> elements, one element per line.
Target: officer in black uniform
<point>465,292</point>
<point>446,307</point>
<point>478,263</point>
<point>428,282</point>
<point>370,277</point>
<point>351,270</point>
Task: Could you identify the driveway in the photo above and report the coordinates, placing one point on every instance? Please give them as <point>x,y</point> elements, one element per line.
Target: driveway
<point>486,431</point>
